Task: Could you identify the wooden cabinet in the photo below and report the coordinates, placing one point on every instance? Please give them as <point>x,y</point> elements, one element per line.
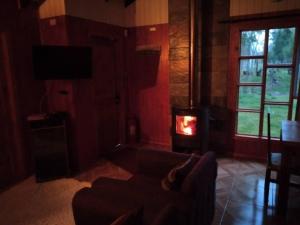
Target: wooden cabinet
<point>50,146</point>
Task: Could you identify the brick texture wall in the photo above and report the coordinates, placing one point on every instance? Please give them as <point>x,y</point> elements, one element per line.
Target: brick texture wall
<point>216,54</point>
<point>213,70</point>
<point>179,52</point>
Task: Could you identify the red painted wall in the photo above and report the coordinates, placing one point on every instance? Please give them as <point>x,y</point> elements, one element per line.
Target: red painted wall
<point>143,91</point>
<point>21,92</point>
<point>94,122</point>
<point>148,83</point>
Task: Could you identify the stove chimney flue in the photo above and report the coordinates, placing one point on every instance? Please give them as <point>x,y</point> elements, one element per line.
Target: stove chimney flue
<point>194,55</point>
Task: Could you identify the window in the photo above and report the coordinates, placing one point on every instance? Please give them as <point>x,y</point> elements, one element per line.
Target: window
<point>268,80</point>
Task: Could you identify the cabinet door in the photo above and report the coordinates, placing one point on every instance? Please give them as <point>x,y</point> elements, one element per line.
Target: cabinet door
<point>50,153</point>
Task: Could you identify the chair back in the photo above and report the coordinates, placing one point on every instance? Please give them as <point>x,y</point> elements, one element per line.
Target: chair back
<point>269,138</point>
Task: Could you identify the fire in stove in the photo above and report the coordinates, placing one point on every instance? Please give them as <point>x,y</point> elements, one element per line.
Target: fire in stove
<point>186,125</point>
<point>189,129</point>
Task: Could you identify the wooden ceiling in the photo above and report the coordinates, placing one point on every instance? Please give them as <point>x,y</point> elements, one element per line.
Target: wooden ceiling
<point>25,3</point>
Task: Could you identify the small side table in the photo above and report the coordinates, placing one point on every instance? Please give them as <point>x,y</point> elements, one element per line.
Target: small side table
<point>50,146</point>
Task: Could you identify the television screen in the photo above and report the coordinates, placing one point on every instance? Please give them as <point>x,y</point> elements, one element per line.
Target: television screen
<point>61,62</point>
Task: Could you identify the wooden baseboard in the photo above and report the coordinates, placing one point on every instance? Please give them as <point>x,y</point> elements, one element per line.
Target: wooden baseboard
<point>248,157</point>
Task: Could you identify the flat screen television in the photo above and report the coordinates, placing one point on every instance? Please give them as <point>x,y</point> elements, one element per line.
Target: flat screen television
<point>61,62</point>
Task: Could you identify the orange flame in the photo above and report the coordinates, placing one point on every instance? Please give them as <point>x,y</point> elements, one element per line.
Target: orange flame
<point>186,125</point>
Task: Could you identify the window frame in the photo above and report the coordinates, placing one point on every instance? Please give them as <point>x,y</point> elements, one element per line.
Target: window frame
<point>235,58</point>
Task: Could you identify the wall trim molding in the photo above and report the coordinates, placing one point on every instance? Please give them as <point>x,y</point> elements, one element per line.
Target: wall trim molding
<point>261,16</point>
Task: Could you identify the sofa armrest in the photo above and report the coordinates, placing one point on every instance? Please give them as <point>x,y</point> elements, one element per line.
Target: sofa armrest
<point>96,205</point>
<point>200,184</point>
<point>88,209</point>
<point>156,163</point>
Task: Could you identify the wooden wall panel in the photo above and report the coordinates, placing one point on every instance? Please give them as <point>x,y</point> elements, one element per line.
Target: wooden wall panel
<point>20,91</point>
<point>144,12</point>
<point>10,139</point>
<point>53,31</point>
<point>247,7</point>
<point>253,148</point>
<point>139,13</point>
<point>28,90</point>
<point>99,121</point>
<point>110,12</point>
<point>148,84</point>
<point>80,103</point>
<point>51,8</point>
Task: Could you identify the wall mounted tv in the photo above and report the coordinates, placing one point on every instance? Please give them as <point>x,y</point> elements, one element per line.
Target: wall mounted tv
<point>61,62</point>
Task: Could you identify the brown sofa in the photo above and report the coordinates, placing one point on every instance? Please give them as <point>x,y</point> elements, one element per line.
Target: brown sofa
<point>107,199</point>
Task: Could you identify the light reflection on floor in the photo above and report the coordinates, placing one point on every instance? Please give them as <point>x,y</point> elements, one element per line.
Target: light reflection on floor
<point>240,196</point>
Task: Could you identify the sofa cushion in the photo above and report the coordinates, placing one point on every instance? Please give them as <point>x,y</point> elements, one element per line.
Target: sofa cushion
<point>145,182</point>
<point>133,217</point>
<point>176,176</point>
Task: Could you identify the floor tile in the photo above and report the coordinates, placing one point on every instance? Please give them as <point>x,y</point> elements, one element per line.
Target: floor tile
<point>240,193</point>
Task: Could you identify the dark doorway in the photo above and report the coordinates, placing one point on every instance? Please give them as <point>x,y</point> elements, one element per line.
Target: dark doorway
<point>107,95</point>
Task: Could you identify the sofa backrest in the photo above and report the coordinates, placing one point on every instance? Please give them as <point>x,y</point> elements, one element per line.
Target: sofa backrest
<point>204,171</point>
<point>200,185</point>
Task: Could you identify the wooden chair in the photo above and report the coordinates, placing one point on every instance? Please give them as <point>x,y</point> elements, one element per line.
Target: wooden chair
<point>273,164</point>
<point>294,169</point>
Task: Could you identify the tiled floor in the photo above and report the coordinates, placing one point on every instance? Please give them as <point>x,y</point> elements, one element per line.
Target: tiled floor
<point>239,196</point>
<point>240,189</point>
<point>239,192</point>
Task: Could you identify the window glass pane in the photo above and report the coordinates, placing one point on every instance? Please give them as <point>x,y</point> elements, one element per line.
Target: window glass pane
<point>277,114</point>
<point>251,70</point>
<point>294,109</point>
<point>297,80</point>
<point>281,46</point>
<point>296,93</point>
<point>249,97</point>
<point>252,43</point>
<point>278,84</point>
<point>248,123</point>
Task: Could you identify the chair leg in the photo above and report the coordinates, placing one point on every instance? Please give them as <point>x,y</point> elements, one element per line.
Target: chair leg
<point>267,187</point>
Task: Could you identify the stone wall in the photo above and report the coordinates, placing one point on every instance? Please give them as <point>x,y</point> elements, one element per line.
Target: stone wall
<point>216,51</point>
<point>215,39</point>
<point>179,52</point>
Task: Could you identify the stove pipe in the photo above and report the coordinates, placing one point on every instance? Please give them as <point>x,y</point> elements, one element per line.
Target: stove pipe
<point>194,54</point>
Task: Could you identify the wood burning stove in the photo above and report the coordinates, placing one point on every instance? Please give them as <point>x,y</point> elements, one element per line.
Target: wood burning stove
<point>190,125</point>
<point>189,129</point>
